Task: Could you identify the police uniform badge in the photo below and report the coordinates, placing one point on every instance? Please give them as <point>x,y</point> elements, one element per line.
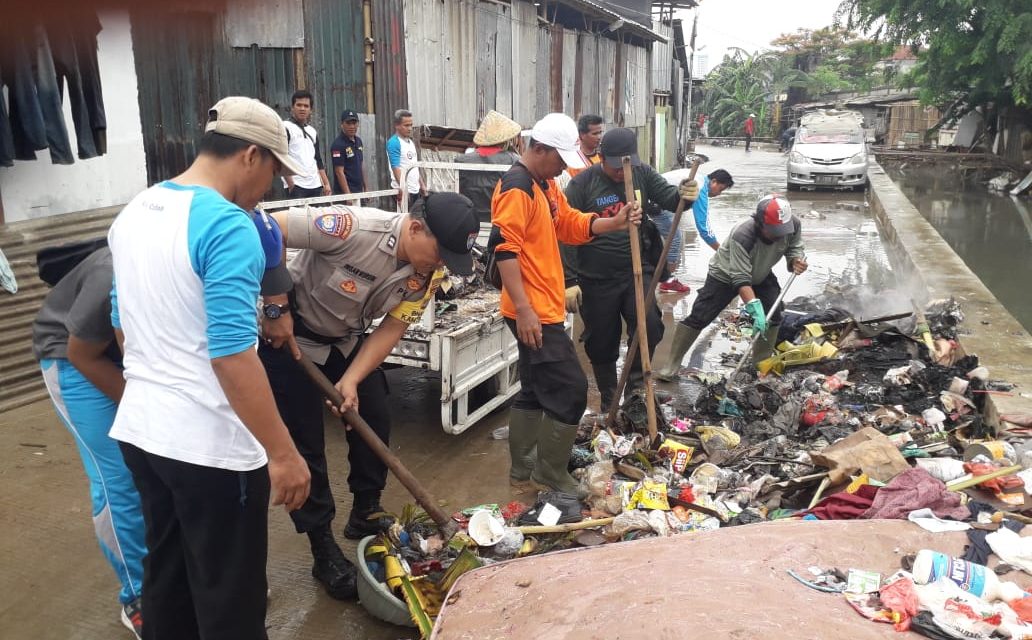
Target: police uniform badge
<point>335,224</point>
<point>349,286</point>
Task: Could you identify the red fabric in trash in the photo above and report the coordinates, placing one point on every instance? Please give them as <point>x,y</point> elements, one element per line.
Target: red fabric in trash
<point>901,598</point>
<point>916,489</point>
<point>1023,608</point>
<point>844,506</point>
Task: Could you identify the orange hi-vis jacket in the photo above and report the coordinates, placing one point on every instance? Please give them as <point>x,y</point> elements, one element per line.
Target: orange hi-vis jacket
<point>532,218</point>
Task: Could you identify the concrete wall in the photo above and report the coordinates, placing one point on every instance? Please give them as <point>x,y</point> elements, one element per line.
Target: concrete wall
<point>38,188</point>
<point>922,258</point>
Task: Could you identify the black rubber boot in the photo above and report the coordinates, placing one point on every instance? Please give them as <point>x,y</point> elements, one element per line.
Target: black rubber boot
<point>359,523</point>
<point>336,573</point>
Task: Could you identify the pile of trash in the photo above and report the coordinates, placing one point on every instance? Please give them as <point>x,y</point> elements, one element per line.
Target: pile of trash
<point>851,418</point>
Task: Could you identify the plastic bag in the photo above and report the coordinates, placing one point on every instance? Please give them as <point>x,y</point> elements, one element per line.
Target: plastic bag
<point>627,522</point>
<point>650,495</point>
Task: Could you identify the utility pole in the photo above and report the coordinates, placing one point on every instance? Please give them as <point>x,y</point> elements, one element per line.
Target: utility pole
<point>687,117</point>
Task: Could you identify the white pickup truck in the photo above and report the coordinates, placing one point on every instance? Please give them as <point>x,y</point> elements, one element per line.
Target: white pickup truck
<point>468,344</point>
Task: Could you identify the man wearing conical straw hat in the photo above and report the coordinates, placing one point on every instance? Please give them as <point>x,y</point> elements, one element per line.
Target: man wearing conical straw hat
<point>496,142</point>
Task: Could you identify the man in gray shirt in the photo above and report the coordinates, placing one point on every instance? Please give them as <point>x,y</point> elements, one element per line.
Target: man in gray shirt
<point>75,344</point>
<point>743,266</point>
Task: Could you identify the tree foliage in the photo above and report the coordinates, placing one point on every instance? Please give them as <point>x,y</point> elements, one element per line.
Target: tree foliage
<point>977,51</point>
<point>740,85</point>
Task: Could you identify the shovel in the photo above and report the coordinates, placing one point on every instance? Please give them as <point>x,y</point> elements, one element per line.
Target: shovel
<point>447,526</point>
<point>727,406</point>
<point>632,348</point>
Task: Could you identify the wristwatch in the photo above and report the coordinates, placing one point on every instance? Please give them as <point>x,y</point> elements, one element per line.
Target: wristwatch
<point>274,311</point>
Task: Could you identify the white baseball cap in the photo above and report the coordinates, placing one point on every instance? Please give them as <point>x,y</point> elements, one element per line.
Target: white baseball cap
<point>255,122</point>
<point>559,131</point>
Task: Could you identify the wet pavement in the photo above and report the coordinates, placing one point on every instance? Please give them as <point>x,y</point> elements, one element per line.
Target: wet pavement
<point>59,587</point>
<point>990,231</point>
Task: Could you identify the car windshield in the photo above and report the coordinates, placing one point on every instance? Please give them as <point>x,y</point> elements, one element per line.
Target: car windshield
<point>809,135</point>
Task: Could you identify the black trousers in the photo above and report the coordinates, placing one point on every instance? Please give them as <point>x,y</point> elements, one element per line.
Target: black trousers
<point>748,141</point>
<point>207,544</point>
<point>606,307</point>
<point>714,296</point>
<point>301,405</point>
<point>551,378</point>
<point>305,192</point>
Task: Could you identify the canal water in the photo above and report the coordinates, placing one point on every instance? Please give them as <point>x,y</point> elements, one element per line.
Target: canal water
<point>990,231</point>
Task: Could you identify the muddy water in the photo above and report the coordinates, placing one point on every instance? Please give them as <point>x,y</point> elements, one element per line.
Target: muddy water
<point>991,232</point>
<point>842,246</point>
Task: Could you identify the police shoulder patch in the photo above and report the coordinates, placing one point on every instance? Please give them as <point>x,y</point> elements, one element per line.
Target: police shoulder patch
<point>335,224</point>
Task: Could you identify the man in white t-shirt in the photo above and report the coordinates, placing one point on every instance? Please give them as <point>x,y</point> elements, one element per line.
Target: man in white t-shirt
<point>303,144</point>
<point>401,153</point>
<point>197,423</point>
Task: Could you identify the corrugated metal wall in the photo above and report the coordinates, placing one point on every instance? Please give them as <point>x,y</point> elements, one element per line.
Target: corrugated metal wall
<point>184,64</point>
<point>607,79</point>
<point>589,90</point>
<point>389,78</point>
<point>637,94</point>
<point>524,62</point>
<point>441,52</point>
<point>662,57</point>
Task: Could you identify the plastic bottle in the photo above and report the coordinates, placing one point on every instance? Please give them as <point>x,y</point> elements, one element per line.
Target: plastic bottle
<point>976,579</point>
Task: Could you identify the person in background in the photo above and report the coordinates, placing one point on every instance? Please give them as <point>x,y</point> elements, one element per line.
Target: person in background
<point>303,142</point>
<point>401,154</point>
<point>713,185</point>
<point>197,423</point>
<point>74,342</point>
<point>743,267</point>
<point>589,136</point>
<point>346,155</point>
<point>496,142</point>
<point>750,128</point>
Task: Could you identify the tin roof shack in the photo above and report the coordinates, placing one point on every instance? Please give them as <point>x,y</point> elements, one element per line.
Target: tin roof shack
<point>466,57</point>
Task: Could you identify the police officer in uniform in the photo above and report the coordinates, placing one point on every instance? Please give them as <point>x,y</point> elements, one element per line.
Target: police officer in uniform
<point>355,265</point>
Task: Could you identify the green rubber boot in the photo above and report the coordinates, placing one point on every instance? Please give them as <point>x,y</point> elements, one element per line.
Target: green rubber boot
<point>523,435</point>
<point>684,338</point>
<point>555,441</point>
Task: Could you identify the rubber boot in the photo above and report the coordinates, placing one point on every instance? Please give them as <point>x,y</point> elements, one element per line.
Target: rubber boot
<point>684,338</point>
<point>330,567</point>
<point>764,347</point>
<point>523,435</point>
<point>605,379</point>
<point>555,441</point>
<point>359,523</point>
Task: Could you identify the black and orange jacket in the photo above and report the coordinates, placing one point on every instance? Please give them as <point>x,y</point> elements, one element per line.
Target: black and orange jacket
<point>531,217</point>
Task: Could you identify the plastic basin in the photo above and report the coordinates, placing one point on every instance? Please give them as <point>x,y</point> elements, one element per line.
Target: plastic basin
<point>375,597</point>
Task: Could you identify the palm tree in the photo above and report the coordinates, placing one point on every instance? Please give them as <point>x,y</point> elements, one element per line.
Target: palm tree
<point>740,85</point>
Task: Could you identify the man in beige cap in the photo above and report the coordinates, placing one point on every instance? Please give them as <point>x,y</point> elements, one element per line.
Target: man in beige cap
<point>197,423</point>
<point>497,142</point>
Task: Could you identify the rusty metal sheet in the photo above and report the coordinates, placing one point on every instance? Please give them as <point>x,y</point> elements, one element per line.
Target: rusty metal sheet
<point>440,55</point>
<point>555,68</point>
<point>543,75</point>
<point>569,72</point>
<point>662,57</point>
<point>589,87</point>
<point>389,79</point>
<point>265,24</point>
<point>504,80</point>
<point>524,62</point>
<point>607,79</point>
<point>334,59</point>
<point>487,42</point>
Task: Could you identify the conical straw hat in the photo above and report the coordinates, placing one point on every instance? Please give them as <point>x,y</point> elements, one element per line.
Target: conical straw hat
<point>496,129</point>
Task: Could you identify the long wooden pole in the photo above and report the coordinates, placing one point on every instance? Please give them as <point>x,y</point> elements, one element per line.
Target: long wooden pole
<point>362,428</point>
<point>639,303</point>
<point>632,349</point>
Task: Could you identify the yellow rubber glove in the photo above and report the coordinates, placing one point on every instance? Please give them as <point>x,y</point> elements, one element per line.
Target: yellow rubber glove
<point>689,190</point>
<point>573,299</point>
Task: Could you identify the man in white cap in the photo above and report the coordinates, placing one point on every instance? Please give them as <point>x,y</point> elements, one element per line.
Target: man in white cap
<point>496,142</point>
<point>750,128</point>
<point>530,215</point>
<point>197,422</point>
<point>743,266</point>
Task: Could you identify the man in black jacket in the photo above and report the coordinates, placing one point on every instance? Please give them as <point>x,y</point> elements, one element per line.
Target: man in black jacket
<point>598,274</point>
<point>496,141</point>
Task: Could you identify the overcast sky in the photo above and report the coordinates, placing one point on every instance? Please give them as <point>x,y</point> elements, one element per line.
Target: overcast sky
<point>752,24</point>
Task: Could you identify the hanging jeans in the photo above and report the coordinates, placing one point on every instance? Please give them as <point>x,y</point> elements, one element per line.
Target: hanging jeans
<point>117,518</point>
